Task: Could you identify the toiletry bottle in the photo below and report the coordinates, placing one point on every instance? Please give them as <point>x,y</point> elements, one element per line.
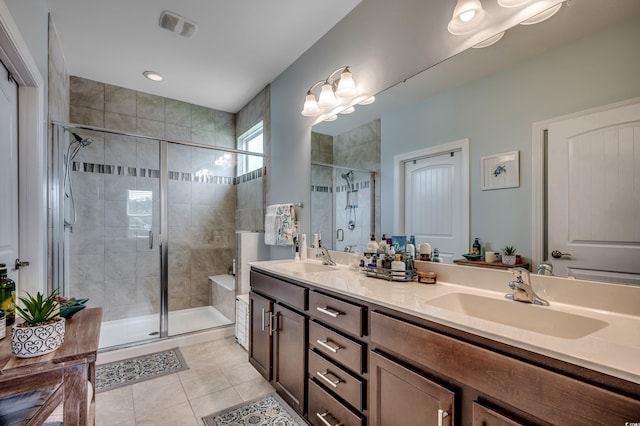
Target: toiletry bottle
<point>296,245</point>
<point>303,247</point>
<point>399,266</point>
<point>314,242</point>
<point>319,240</point>
<point>475,249</point>
<point>7,295</point>
<point>436,256</point>
<point>372,246</point>
<point>382,245</point>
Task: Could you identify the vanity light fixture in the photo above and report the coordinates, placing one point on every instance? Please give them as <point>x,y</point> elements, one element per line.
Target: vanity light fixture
<point>489,42</point>
<point>338,95</point>
<point>512,3</point>
<point>468,15</point>
<point>542,16</point>
<point>153,76</point>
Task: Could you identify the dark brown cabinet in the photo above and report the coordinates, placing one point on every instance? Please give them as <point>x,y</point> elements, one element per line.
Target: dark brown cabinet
<point>278,336</point>
<point>261,343</point>
<point>289,350</point>
<point>399,395</point>
<point>483,416</point>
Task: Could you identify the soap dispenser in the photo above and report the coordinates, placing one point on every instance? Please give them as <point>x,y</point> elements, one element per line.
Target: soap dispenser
<point>372,246</point>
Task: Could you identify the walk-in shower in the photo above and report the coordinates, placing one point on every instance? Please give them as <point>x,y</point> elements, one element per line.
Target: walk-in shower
<point>342,201</point>
<point>140,224</point>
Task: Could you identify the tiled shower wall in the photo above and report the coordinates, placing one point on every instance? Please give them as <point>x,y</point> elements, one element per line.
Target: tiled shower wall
<point>108,264</point>
<point>250,209</point>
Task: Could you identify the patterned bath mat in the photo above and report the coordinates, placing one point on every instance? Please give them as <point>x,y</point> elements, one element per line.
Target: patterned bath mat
<point>268,410</point>
<point>133,370</point>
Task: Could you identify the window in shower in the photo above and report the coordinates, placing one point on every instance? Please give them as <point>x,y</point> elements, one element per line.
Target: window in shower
<point>251,140</point>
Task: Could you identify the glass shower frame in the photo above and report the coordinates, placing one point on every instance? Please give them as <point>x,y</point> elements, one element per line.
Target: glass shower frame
<point>60,250</point>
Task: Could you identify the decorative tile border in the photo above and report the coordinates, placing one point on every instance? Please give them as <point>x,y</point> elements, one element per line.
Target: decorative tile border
<point>109,169</point>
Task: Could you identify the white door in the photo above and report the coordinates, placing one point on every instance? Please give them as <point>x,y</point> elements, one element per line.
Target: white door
<point>594,195</point>
<point>434,203</point>
<point>8,172</point>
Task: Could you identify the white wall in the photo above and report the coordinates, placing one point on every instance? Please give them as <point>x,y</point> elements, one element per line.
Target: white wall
<point>31,18</point>
<point>496,114</point>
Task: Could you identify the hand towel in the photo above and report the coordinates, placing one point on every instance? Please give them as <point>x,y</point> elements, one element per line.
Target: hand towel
<point>270,227</point>
<point>285,224</point>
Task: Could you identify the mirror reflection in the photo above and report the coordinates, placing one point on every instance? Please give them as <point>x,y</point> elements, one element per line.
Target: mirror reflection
<point>579,60</point>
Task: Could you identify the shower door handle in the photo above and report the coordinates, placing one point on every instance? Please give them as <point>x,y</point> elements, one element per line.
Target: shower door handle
<point>150,240</point>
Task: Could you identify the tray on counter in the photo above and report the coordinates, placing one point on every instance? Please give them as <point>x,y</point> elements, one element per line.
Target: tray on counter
<point>390,274</point>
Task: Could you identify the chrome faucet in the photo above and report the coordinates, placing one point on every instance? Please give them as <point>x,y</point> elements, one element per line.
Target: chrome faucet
<point>326,257</point>
<point>522,290</point>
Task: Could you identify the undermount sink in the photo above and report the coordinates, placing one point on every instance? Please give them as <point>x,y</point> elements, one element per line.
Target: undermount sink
<point>540,319</point>
<point>305,267</point>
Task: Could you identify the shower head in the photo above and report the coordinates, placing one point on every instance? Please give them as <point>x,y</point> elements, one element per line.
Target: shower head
<point>82,141</point>
<point>348,175</point>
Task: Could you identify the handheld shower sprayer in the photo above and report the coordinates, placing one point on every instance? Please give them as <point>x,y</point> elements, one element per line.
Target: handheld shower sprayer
<point>82,141</point>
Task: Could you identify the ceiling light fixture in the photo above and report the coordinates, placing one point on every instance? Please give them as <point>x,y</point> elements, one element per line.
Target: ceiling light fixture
<point>542,16</point>
<point>153,76</point>
<point>467,17</point>
<point>512,3</point>
<point>338,95</point>
<point>490,41</point>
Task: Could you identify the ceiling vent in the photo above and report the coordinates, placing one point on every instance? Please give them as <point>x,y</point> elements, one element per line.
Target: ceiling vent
<point>177,24</point>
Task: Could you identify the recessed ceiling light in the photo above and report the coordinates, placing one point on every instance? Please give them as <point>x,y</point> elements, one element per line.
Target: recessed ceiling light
<point>153,76</point>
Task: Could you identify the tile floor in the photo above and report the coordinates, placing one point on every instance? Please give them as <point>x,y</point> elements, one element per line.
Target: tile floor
<point>218,377</point>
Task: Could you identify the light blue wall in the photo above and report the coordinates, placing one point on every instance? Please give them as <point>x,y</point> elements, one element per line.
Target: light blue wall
<point>496,113</point>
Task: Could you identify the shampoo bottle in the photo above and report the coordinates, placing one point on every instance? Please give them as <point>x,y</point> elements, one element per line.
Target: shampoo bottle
<point>372,246</point>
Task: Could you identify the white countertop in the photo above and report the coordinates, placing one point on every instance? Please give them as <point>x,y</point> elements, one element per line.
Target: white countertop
<point>613,350</point>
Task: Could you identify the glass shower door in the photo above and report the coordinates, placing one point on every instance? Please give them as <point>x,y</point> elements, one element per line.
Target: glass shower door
<point>108,190</point>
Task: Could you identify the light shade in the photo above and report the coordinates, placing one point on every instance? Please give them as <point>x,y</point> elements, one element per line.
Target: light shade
<point>346,85</point>
<point>490,41</point>
<point>467,17</point>
<point>542,16</point>
<point>327,98</point>
<point>512,3</point>
<point>311,107</point>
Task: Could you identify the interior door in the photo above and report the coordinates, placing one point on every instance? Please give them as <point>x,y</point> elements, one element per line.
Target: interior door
<point>8,172</point>
<point>433,203</point>
<point>594,195</point>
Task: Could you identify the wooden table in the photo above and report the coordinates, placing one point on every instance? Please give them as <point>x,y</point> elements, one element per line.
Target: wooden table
<point>66,370</point>
<point>491,265</point>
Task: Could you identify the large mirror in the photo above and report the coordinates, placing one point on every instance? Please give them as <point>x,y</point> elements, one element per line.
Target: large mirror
<point>583,58</point>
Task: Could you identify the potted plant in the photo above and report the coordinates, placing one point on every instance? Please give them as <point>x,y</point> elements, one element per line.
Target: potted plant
<point>509,257</point>
<point>43,328</point>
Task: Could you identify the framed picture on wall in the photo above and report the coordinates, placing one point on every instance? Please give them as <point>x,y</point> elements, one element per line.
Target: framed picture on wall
<point>500,171</point>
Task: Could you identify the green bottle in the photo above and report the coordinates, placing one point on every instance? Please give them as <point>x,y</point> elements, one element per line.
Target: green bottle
<point>7,295</point>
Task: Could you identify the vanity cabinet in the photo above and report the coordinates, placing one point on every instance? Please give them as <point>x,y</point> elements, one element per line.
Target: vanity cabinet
<point>337,367</point>
<point>399,394</point>
<point>518,389</point>
<point>278,336</point>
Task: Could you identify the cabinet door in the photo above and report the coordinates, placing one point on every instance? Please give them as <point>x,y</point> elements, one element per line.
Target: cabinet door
<point>260,336</point>
<point>402,396</point>
<point>483,416</point>
<point>289,359</point>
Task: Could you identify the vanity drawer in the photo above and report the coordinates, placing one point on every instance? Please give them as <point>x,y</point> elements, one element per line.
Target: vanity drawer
<point>342,383</point>
<point>336,346</point>
<point>291,294</point>
<point>325,410</point>
<point>343,315</point>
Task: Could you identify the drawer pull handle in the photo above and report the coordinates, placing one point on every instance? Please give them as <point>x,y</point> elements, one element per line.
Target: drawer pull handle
<point>328,344</point>
<point>328,311</point>
<point>323,416</point>
<point>441,415</point>
<point>330,378</point>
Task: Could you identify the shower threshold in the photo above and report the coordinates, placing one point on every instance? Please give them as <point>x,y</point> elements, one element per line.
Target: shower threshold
<point>145,327</point>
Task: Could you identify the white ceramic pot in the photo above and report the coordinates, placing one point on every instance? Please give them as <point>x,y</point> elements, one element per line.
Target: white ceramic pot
<point>32,341</point>
<point>509,259</point>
